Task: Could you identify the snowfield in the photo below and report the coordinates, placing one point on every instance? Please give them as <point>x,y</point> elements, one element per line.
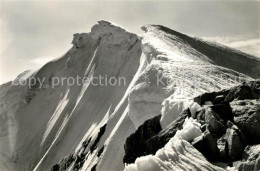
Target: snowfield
<point>89,124</point>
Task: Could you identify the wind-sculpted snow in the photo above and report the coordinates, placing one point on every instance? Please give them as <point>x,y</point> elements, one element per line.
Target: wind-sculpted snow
<point>162,71</point>
<point>177,154</point>
<point>56,118</point>
<point>176,71</point>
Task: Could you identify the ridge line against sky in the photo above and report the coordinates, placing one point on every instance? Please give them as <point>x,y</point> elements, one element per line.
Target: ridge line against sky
<point>33,33</point>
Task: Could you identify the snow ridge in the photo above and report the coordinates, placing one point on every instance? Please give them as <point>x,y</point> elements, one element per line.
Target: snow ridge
<point>58,121</point>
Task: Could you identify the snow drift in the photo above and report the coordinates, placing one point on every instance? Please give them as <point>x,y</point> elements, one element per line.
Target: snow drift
<point>84,127</point>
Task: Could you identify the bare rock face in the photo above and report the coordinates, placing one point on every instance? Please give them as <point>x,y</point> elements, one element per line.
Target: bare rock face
<point>233,118</point>
<point>159,140</point>
<point>228,126</point>
<point>248,90</point>
<point>136,143</point>
<point>235,147</point>
<point>247,118</point>
<point>215,123</point>
<point>149,137</point>
<point>251,159</point>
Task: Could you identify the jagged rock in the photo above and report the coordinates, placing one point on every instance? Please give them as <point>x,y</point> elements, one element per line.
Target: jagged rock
<point>135,145</point>
<point>100,133</point>
<point>250,160</point>
<point>241,135</point>
<point>94,168</point>
<point>223,148</point>
<point>210,150</point>
<point>235,147</point>
<point>224,111</point>
<point>201,115</point>
<point>205,97</point>
<point>158,141</point>
<point>247,118</point>
<point>100,151</point>
<point>215,123</point>
<point>78,39</point>
<point>248,90</point>
<point>204,127</point>
<point>56,167</point>
<point>64,164</point>
<point>198,143</point>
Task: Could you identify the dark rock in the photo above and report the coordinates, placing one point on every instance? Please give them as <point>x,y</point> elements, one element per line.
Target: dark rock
<point>247,118</point>
<point>250,159</point>
<point>204,127</point>
<point>94,168</point>
<point>136,143</point>
<point>86,143</point>
<point>229,124</point>
<point>219,99</point>
<point>100,151</point>
<point>65,163</point>
<point>215,123</point>
<point>79,163</point>
<point>198,143</point>
<point>235,147</point>
<point>224,111</point>
<point>241,136</point>
<point>201,115</point>
<point>158,141</point>
<point>248,90</point>
<point>100,133</point>
<point>211,149</point>
<point>223,149</point>
<point>56,167</point>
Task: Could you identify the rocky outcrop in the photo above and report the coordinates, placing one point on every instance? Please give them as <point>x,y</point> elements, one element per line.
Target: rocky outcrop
<point>250,160</point>
<point>136,145</point>
<point>247,118</point>
<point>76,161</point>
<point>177,154</point>
<point>233,119</point>
<point>228,125</point>
<point>149,137</point>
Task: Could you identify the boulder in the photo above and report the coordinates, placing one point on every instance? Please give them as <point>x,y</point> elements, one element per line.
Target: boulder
<point>247,118</point>
<point>235,147</point>
<point>248,90</point>
<point>223,148</point>
<point>250,159</point>
<point>210,146</point>
<point>224,111</point>
<point>198,143</point>
<point>216,125</point>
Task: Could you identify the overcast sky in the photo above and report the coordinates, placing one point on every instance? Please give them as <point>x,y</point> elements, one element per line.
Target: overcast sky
<point>33,33</point>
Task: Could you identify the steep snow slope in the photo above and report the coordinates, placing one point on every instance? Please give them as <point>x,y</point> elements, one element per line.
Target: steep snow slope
<point>162,69</point>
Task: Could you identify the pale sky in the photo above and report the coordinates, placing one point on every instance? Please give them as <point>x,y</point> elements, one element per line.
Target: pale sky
<point>33,33</point>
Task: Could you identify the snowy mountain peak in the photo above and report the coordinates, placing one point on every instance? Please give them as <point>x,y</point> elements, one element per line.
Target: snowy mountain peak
<point>78,125</point>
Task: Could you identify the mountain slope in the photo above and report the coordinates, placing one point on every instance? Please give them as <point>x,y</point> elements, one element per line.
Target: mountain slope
<point>163,70</point>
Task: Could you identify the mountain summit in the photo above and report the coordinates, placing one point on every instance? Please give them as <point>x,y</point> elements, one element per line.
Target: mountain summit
<point>114,90</point>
